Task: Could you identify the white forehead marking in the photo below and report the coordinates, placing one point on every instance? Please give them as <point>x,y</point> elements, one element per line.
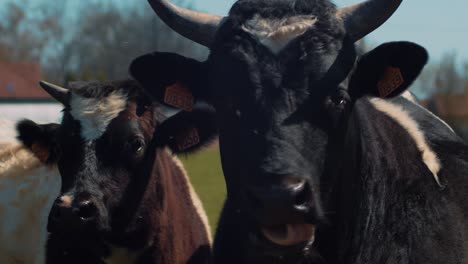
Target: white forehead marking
<point>275,34</point>
<point>398,114</point>
<point>94,114</point>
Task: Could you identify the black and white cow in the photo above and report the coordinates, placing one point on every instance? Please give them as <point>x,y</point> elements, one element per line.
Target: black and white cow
<point>324,160</point>
<point>124,197</point>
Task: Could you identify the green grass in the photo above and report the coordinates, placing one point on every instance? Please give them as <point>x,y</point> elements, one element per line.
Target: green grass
<point>204,169</point>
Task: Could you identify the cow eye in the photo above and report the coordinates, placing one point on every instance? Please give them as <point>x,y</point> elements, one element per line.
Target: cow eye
<point>339,101</point>
<point>137,145</point>
<point>335,102</point>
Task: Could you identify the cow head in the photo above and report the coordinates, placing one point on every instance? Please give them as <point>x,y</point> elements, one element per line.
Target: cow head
<point>283,77</point>
<point>105,148</point>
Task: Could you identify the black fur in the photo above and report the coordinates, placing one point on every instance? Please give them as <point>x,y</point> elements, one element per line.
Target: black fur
<point>372,66</point>
<point>286,116</point>
<point>391,210</point>
<point>175,129</point>
<point>164,70</point>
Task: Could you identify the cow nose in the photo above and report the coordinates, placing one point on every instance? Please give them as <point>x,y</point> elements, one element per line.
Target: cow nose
<point>287,201</point>
<point>69,215</point>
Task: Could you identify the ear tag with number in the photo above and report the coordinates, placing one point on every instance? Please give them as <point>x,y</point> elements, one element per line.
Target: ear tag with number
<point>179,96</point>
<point>391,81</point>
<point>188,139</point>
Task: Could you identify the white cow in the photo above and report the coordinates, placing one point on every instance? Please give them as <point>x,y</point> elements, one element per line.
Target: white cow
<point>27,191</point>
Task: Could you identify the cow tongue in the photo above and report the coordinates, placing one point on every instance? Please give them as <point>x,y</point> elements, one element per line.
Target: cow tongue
<point>290,234</point>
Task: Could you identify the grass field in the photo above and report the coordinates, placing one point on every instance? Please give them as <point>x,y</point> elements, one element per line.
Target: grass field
<point>207,177</point>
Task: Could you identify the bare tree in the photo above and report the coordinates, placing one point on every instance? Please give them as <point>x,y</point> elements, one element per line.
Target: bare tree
<point>26,31</point>
<point>85,40</point>
<point>465,77</point>
<point>109,38</point>
<point>448,79</point>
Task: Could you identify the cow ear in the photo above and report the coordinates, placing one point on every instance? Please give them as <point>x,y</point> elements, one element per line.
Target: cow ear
<point>388,70</point>
<point>40,139</point>
<point>186,132</point>
<point>175,80</point>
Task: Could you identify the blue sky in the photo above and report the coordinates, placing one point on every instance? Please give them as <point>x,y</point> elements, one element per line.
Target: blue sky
<point>439,26</point>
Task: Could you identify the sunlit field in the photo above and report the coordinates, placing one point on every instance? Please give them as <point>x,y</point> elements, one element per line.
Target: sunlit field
<point>204,169</point>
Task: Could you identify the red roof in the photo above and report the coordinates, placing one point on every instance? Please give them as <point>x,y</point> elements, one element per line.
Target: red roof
<point>19,81</point>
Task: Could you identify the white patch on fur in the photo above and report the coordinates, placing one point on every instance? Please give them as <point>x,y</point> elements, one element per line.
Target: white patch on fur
<point>27,192</point>
<point>195,199</point>
<point>122,255</point>
<point>407,95</point>
<point>398,114</point>
<point>66,200</point>
<point>275,34</point>
<point>94,114</point>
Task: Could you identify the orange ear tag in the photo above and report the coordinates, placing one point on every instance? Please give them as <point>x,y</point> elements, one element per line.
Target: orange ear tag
<point>178,96</point>
<point>189,139</point>
<point>41,152</point>
<point>391,81</point>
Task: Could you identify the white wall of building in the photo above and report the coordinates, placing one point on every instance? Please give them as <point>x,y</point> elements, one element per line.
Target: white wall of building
<point>41,113</point>
<point>38,112</point>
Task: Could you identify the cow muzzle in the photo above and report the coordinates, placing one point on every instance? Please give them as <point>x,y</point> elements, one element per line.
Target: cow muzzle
<point>70,215</point>
<point>285,212</point>
<point>290,234</point>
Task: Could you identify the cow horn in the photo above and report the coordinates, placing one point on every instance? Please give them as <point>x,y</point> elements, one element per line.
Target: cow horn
<point>196,26</point>
<point>58,93</point>
<point>361,19</point>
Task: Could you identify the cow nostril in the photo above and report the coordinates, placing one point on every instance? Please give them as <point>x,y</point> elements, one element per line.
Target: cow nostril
<point>87,210</point>
<point>302,196</point>
<point>294,183</point>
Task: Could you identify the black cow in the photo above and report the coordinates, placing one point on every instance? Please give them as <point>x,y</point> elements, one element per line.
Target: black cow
<point>124,197</point>
<point>324,160</point>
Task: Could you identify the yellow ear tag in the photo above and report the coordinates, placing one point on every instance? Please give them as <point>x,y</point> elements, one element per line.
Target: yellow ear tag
<point>178,96</point>
<point>189,139</point>
<point>391,81</point>
<point>41,152</point>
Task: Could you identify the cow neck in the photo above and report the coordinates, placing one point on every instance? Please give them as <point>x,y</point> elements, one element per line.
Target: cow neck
<point>382,166</point>
<point>326,235</point>
<point>174,238</point>
<point>159,223</point>
<point>131,227</point>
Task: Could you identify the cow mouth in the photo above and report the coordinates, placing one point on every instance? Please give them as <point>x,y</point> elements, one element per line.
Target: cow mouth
<point>289,234</point>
